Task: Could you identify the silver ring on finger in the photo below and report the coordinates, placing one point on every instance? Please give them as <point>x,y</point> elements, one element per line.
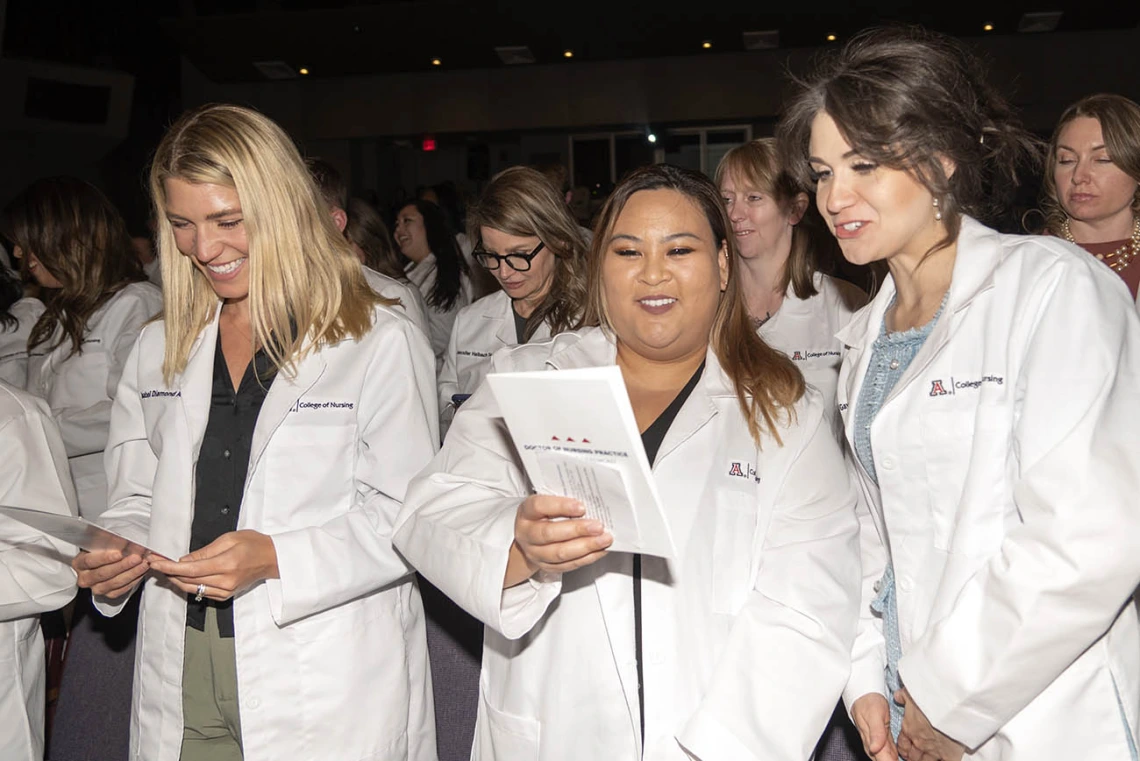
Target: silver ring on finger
<point>201,591</point>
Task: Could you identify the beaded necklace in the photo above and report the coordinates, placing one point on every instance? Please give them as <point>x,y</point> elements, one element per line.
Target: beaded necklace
<point>1121,257</point>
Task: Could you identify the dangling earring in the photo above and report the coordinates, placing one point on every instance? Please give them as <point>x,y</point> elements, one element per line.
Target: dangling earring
<point>937,211</point>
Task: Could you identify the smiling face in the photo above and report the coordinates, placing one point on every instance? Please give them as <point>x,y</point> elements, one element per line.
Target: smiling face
<point>662,276</point>
<point>411,235</point>
<point>1090,187</point>
<point>209,229</point>
<point>877,213</point>
<point>760,224</point>
<point>530,286</point>
<point>37,269</point>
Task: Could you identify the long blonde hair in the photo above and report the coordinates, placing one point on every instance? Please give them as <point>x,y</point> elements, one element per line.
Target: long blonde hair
<point>521,201</point>
<point>767,384</point>
<point>306,287</point>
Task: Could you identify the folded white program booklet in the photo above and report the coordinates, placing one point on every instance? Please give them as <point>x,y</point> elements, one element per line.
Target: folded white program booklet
<point>577,437</point>
<point>77,531</point>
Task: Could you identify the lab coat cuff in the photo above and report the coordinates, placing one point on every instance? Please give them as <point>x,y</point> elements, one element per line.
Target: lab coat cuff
<point>523,605</point>
<point>109,607</point>
<point>706,738</point>
<point>294,594</point>
<point>962,723</point>
<point>867,677</point>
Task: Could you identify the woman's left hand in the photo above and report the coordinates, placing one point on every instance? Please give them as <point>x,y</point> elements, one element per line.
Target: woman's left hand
<point>919,740</point>
<point>230,564</point>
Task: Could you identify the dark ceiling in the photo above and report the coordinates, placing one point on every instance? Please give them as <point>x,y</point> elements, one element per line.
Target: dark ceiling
<point>224,38</point>
<point>333,39</point>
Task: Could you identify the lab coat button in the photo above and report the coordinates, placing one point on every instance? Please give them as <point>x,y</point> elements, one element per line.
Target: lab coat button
<point>888,463</point>
<point>906,584</point>
<point>254,703</point>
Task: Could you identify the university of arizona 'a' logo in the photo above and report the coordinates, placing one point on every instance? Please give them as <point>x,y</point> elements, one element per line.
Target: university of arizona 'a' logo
<point>735,470</point>
<point>797,356</point>
<point>936,389</point>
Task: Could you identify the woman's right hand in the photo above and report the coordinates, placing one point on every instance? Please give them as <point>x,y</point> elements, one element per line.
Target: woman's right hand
<point>551,535</point>
<point>107,573</point>
<point>872,716</point>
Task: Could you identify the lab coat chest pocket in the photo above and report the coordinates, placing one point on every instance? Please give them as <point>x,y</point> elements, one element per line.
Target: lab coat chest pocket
<point>309,472</point>
<point>965,449</point>
<point>735,512</point>
<point>84,380</point>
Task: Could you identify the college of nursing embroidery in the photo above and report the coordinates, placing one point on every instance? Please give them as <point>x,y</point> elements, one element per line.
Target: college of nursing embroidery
<point>940,388</point>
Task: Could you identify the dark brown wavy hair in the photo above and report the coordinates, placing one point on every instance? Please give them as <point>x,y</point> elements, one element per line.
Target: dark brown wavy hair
<point>521,201</point>
<point>767,384</point>
<point>81,239</point>
<point>907,98</point>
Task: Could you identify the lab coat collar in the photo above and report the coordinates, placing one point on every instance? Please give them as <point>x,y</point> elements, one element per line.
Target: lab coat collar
<point>979,253</point>
<point>196,382</point>
<point>504,316</point>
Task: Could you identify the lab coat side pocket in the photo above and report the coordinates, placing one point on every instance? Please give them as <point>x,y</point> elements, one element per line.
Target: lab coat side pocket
<point>499,734</point>
<point>735,519</point>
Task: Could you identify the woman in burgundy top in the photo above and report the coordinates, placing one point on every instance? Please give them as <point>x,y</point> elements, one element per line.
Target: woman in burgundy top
<point>1092,188</point>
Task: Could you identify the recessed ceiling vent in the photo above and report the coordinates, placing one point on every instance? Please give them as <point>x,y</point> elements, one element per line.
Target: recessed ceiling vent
<point>515,55</point>
<point>275,69</point>
<point>1034,23</point>
<point>762,40</point>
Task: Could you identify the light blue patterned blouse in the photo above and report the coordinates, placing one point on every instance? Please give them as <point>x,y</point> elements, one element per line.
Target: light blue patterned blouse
<point>891,355</point>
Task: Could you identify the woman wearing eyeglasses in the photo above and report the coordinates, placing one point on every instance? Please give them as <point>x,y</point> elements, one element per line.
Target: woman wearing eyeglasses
<point>525,237</point>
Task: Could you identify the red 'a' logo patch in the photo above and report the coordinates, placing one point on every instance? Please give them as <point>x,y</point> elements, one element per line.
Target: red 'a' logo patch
<point>936,389</point>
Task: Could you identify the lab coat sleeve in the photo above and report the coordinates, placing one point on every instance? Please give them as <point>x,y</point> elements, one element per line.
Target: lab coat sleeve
<point>868,657</point>
<point>448,382</point>
<point>458,522</point>
<point>35,570</point>
<point>789,651</point>
<point>1064,573</point>
<point>352,555</point>
<point>131,465</point>
<point>85,429</point>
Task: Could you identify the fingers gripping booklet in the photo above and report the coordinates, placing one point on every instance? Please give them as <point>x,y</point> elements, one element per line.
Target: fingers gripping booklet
<point>577,437</point>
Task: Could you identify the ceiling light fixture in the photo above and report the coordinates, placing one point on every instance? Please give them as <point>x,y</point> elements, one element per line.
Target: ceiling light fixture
<point>567,53</point>
<point>706,44</point>
<point>831,38</point>
<point>303,71</point>
<point>436,62</point>
<point>988,28</point>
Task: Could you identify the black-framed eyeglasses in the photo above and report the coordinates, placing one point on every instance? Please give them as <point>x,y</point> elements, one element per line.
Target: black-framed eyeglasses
<point>517,262</point>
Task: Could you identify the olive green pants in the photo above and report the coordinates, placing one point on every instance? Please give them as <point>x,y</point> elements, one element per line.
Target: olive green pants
<point>211,725</point>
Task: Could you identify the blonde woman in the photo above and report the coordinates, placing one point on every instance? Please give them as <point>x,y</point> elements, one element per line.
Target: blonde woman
<point>527,240</point>
<point>262,438</point>
<point>796,308</point>
<point>739,647</point>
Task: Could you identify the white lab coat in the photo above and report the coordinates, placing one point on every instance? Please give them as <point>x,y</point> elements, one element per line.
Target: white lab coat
<point>804,330</point>
<point>35,575</point>
<point>331,657</point>
<point>745,636</point>
<point>480,330</point>
<point>79,388</point>
<point>1006,456</point>
<point>14,341</point>
<point>422,276</point>
<point>410,298</point>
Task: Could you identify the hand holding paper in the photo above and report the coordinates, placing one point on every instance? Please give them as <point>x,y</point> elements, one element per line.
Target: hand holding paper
<point>576,436</point>
<point>552,535</point>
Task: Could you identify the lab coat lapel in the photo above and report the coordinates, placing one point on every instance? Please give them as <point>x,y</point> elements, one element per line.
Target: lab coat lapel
<point>505,330</point>
<point>616,600</point>
<point>282,399</point>
<point>699,408</point>
<point>197,382</point>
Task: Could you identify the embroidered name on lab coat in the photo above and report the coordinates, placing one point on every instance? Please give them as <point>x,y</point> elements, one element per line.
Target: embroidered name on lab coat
<point>158,392</point>
<point>469,353</point>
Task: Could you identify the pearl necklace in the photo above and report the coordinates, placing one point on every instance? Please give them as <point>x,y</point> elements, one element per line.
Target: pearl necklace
<point>1121,257</point>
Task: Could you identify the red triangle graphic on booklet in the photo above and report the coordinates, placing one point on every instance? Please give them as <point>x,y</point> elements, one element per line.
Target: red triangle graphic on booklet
<point>570,439</point>
<point>555,438</point>
<point>585,441</point>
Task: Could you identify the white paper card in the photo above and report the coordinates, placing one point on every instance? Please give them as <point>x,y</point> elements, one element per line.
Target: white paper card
<point>72,530</point>
<point>577,437</point>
